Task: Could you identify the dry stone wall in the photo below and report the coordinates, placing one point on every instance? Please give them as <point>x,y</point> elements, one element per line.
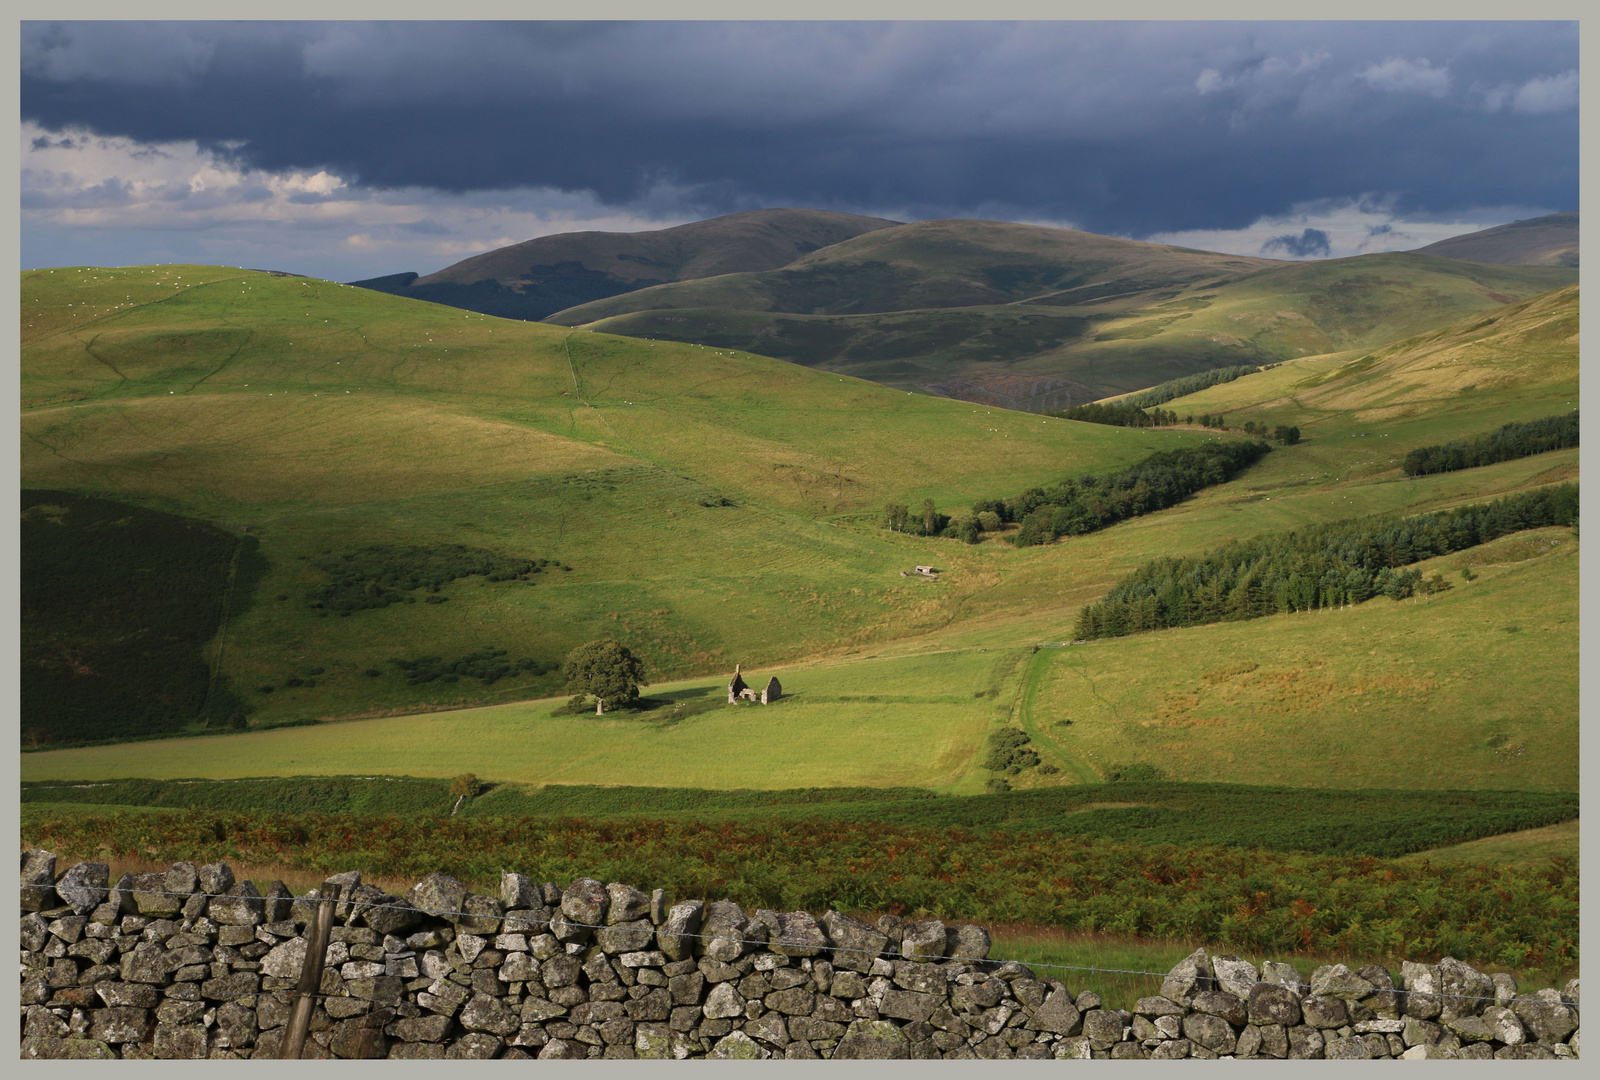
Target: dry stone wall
<point>190,963</point>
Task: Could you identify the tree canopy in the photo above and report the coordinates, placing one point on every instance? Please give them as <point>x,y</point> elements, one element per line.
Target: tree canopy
<point>605,669</point>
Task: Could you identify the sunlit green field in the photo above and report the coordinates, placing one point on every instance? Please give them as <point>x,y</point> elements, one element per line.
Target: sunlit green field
<point>722,508</point>
<point>1477,687</point>
<point>914,721</point>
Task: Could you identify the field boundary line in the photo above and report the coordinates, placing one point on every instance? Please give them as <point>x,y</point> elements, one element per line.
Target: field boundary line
<point>551,923</point>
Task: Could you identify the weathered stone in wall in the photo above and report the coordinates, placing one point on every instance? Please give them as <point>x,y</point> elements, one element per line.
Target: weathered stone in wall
<point>1273,1003</point>
<point>1305,1042</point>
<point>1421,983</point>
<point>724,930</point>
<point>215,878</point>
<point>674,936</point>
<point>38,880</point>
<point>84,886</point>
<point>438,894</point>
<point>624,903</point>
<point>1212,1032</point>
<point>1463,990</point>
<point>799,935</point>
<point>389,914</point>
<point>241,905</point>
<point>34,1049</point>
<point>625,936</point>
<point>1284,975</point>
<point>481,915</point>
<point>1324,1012</point>
<point>1057,1015</point>
<point>855,944</point>
<point>1336,980</point>
<point>872,1039</point>
<point>1188,977</point>
<point>585,902</point>
<point>967,942</point>
<point>923,940</point>
<point>150,895</point>
<point>1235,975</point>
<point>1549,1018</point>
<point>1222,1004</point>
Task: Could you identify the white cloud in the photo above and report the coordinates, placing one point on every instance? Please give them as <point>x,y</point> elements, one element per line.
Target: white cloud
<point>1557,93</point>
<point>1354,226</point>
<point>1211,80</point>
<point>77,186</point>
<point>1399,75</point>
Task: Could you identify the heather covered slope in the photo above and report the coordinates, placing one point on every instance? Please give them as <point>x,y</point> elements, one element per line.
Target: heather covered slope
<point>1039,318</point>
<point>535,278</point>
<point>1551,240</point>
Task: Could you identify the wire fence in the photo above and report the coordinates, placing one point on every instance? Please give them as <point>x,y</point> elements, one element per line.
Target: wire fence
<point>553,923</point>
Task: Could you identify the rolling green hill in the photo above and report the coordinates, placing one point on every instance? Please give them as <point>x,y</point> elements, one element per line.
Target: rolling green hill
<point>1551,240</point>
<point>537,277</point>
<point>717,507</point>
<point>1036,318</point>
<point>686,487</point>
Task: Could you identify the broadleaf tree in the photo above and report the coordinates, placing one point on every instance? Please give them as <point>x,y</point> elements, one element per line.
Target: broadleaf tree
<point>605,670</point>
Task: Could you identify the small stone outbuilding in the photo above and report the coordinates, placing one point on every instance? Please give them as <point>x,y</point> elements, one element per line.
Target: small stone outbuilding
<point>739,690</point>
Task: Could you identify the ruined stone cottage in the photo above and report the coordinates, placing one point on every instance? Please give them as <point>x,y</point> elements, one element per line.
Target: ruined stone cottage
<point>739,690</point>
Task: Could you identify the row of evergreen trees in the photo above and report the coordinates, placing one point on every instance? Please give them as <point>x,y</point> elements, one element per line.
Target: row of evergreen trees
<point>1342,562</point>
<point>1119,414</point>
<point>1503,444</point>
<point>1087,503</point>
<point>1189,384</point>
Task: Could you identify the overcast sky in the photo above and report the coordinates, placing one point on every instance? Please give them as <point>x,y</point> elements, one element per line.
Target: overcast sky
<point>350,150</point>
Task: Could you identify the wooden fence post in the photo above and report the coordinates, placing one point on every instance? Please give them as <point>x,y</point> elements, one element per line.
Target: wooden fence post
<point>294,1039</point>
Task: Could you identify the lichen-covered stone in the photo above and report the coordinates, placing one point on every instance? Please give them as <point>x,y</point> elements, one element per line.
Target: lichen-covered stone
<point>1463,989</point>
<point>872,1039</point>
<point>437,894</point>
<point>855,944</point>
<point>1235,975</point>
<point>38,880</point>
<point>585,902</point>
<point>240,905</point>
<point>924,940</point>
<point>1547,1016</point>
<point>1273,1003</point>
<point>625,937</point>
<point>480,915</point>
<point>1188,977</point>
<point>799,935</point>
<point>624,903</point>
<point>1336,980</point>
<point>84,886</point>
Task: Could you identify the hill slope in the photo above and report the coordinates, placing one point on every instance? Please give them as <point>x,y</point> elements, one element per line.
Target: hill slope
<point>682,484</point>
<point>1036,318</point>
<point>538,277</point>
<point>1551,240</point>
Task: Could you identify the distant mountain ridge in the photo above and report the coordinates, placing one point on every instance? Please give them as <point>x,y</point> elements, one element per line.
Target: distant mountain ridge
<point>1021,316</point>
<point>547,274</point>
<point>1551,240</point>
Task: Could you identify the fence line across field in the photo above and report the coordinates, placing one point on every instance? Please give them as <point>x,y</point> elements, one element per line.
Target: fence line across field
<point>548,923</point>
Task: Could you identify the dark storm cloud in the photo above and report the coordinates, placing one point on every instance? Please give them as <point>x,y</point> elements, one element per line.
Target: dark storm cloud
<point>1131,128</point>
<point>1309,244</point>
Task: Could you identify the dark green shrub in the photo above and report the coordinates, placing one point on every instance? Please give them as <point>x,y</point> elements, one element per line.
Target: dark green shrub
<point>997,786</point>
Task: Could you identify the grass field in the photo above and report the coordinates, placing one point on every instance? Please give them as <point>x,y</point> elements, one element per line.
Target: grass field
<point>1343,697</point>
<point>1511,849</point>
<point>718,507</point>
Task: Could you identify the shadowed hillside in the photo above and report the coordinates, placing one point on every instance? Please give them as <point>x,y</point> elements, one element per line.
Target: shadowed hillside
<point>1038,318</point>
<point>1551,240</point>
<point>540,276</point>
